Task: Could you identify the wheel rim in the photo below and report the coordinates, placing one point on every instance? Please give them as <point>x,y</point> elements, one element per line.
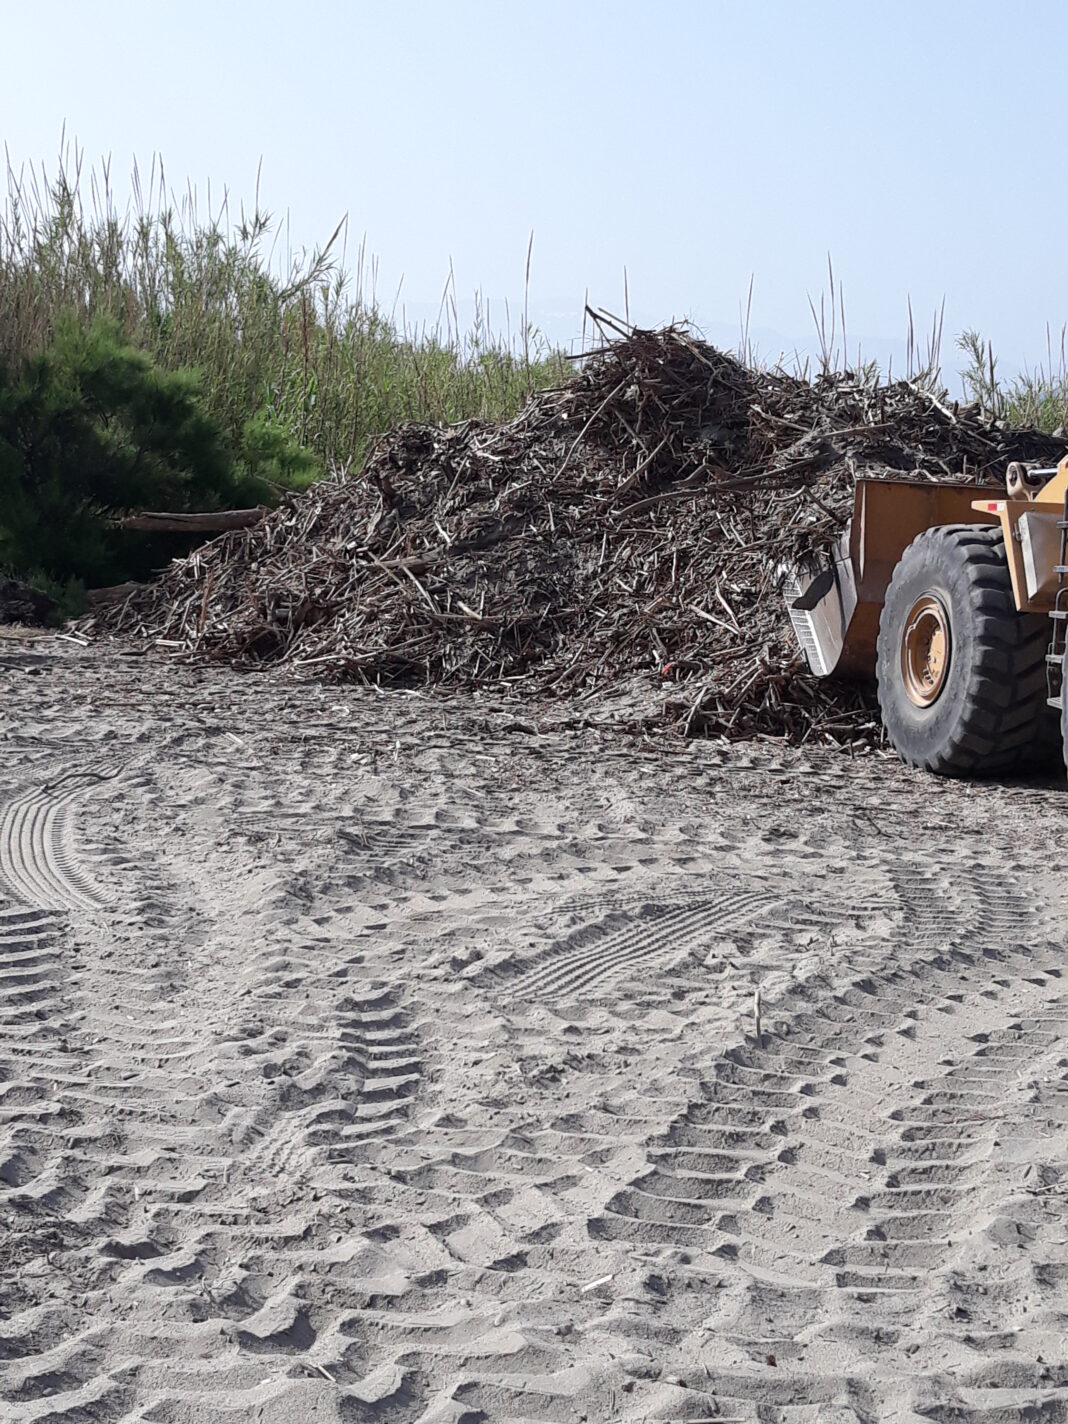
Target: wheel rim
<point>926,643</point>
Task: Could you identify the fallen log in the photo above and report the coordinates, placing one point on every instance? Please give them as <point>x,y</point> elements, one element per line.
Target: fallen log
<point>219,521</point>
<point>112,594</point>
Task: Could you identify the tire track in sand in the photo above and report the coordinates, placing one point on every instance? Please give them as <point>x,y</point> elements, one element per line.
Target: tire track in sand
<point>606,952</point>
<point>54,1201</point>
<point>832,1177</point>
<point>495,1208</point>
<point>114,1127</point>
<point>236,1083</point>
<point>251,1093</point>
<point>37,1064</point>
<point>363,1070</point>
<point>39,857</point>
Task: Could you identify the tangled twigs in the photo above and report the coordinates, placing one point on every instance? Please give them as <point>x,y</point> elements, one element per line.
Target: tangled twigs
<point>630,522</point>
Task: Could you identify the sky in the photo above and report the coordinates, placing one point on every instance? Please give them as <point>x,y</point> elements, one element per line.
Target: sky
<point>694,147</point>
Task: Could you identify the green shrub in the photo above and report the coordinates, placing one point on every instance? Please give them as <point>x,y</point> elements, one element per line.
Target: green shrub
<point>270,459</point>
<point>91,429</point>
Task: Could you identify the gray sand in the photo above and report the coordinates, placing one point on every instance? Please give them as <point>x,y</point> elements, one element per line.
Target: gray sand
<point>367,1058</point>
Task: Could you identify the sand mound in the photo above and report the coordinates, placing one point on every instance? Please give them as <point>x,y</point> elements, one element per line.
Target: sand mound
<point>632,522</point>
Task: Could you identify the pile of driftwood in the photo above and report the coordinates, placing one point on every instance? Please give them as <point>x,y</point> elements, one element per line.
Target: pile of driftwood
<point>630,523</point>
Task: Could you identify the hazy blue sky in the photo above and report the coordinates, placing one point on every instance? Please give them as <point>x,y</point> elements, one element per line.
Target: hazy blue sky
<point>695,144</point>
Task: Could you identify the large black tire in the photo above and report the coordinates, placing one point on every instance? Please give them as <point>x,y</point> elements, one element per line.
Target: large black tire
<point>989,713</point>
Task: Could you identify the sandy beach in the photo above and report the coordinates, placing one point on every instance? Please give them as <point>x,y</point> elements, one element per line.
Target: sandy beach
<point>375,1058</point>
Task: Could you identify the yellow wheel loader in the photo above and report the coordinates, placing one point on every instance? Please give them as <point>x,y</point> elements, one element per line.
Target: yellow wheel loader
<point>954,598</point>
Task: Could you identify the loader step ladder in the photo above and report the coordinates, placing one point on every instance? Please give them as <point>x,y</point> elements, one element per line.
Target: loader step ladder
<point>1059,615</point>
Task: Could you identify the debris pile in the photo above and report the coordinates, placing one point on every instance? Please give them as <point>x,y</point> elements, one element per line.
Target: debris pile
<point>630,523</point>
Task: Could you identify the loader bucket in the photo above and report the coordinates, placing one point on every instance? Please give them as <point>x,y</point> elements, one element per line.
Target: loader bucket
<point>835,601</point>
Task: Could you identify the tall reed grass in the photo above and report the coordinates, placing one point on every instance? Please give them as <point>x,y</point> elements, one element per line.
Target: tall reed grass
<point>1037,396</point>
<point>294,341</point>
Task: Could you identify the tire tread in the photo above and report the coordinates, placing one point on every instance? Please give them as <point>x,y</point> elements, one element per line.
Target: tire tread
<point>1002,716</point>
